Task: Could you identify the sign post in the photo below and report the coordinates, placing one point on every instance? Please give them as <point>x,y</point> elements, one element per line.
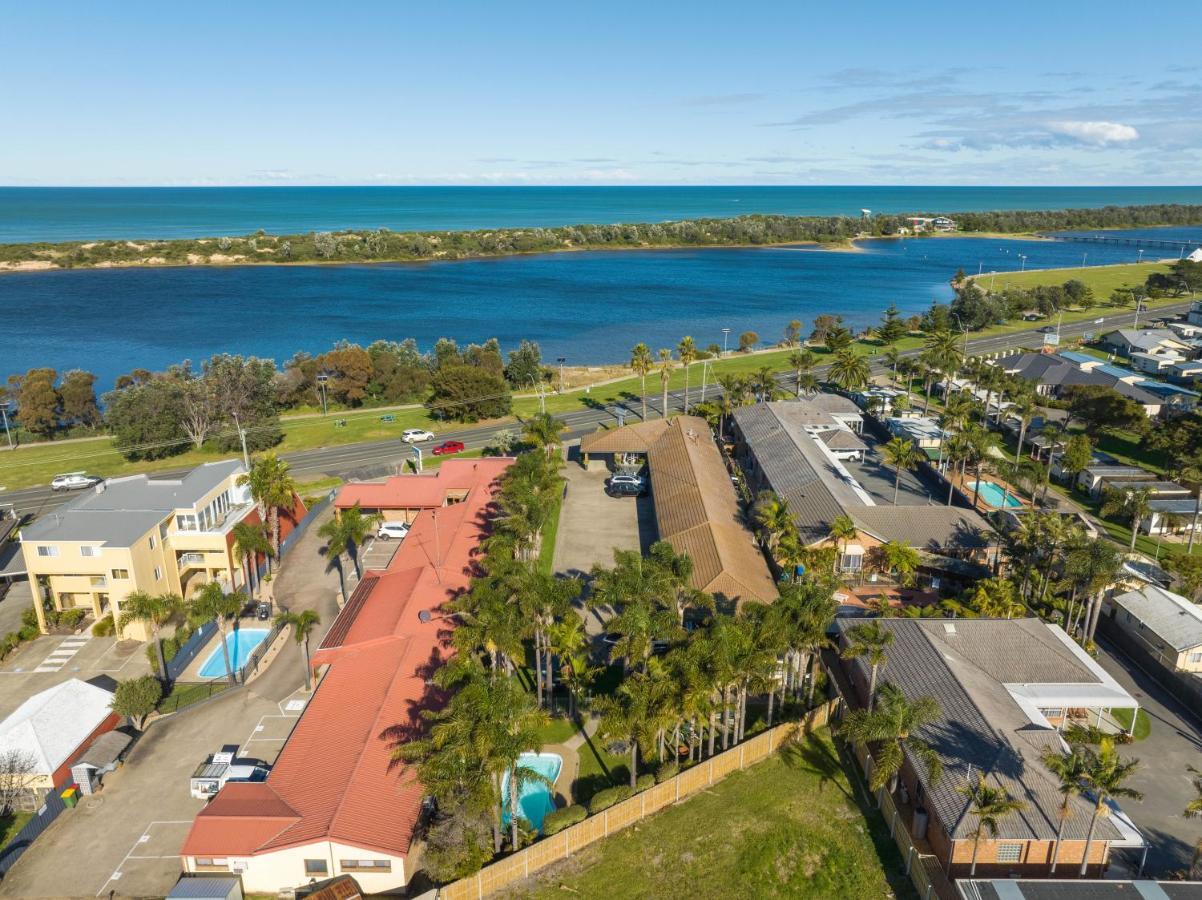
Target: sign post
<point>417,458</point>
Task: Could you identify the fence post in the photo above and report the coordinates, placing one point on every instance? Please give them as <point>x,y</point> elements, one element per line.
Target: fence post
<point>606,814</point>
<point>910,859</point>
<point>930,888</point>
<point>741,757</point>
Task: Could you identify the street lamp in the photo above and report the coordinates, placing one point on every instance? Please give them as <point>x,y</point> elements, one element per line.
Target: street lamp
<point>322,378</point>
<point>4,415</point>
<point>725,335</point>
<point>1140,258</point>
<point>1023,257</point>
<point>561,360</point>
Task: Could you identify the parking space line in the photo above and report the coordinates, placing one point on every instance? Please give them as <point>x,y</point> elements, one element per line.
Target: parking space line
<point>142,839</point>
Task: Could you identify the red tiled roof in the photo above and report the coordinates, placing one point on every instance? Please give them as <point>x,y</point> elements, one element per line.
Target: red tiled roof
<point>413,491</point>
<point>336,772</point>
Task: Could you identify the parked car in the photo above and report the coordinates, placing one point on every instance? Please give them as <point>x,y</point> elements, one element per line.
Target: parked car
<point>263,610</point>
<point>389,530</point>
<point>73,481</point>
<point>626,486</point>
<point>416,435</point>
<point>447,447</point>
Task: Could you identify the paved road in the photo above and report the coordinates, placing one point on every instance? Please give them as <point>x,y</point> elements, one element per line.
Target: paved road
<point>377,458</point>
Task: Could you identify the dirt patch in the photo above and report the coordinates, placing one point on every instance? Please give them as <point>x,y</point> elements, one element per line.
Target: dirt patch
<point>27,265</point>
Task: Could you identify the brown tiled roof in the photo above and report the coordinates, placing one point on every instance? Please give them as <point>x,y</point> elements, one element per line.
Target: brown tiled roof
<point>636,438</point>
<point>842,439</point>
<point>698,513</point>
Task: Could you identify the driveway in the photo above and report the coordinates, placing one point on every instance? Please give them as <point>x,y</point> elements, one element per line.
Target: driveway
<point>876,476</point>
<point>51,659</point>
<point>1173,743</point>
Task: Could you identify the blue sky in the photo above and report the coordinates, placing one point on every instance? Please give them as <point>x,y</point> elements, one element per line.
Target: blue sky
<point>615,93</point>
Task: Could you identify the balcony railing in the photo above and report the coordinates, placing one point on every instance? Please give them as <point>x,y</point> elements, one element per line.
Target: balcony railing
<point>191,559</point>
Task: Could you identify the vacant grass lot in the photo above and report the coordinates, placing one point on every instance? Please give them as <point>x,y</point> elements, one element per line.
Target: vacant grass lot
<point>1102,280</point>
<point>791,826</point>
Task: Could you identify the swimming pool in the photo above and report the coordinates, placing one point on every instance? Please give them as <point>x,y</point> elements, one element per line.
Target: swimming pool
<point>995,494</point>
<point>241,644</point>
<point>534,800</point>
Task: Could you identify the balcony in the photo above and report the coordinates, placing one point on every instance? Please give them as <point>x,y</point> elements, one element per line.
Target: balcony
<point>191,561</point>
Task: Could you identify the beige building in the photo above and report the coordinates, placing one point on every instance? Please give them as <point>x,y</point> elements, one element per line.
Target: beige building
<point>1166,625</point>
<point>157,535</point>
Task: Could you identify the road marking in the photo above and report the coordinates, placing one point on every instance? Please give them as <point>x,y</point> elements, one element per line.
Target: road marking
<point>142,839</point>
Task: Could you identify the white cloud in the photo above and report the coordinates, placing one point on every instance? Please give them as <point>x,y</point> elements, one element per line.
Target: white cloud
<point>1096,133</point>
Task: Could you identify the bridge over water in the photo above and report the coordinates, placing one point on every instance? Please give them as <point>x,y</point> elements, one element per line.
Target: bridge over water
<point>1182,247</point>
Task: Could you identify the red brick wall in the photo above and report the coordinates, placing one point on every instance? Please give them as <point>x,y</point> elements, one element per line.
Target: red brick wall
<point>62,775</point>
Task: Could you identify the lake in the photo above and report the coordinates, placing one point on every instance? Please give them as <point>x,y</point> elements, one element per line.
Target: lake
<point>590,307</point>
<point>64,214</point>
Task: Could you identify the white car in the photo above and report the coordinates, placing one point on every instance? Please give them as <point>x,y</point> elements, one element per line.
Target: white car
<point>416,435</point>
<point>73,481</point>
<point>389,530</point>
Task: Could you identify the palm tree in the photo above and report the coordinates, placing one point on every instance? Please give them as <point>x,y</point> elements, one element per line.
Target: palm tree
<point>806,610</point>
<point>990,805</point>
<point>980,442</point>
<point>849,370</point>
<point>871,641</point>
<point>802,362</point>
<point>342,534</point>
<point>899,559</point>
<point>842,531</point>
<point>302,623</point>
<point>1193,810</point>
<point>956,449</point>
<point>773,516</point>
<point>665,374</point>
<point>212,603</point>
<point>944,354</point>
<point>763,382</point>
<point>1069,767</point>
<point>543,430</point>
<point>569,643</point>
<point>994,598</point>
<point>892,725</point>
<point>544,600</point>
<point>273,489</point>
<point>1135,503</point>
<point>641,363</point>
<point>355,527</point>
<point>1105,773</point>
<point>153,610</point>
<point>636,714</point>
<point>686,351</point>
<point>901,454</point>
<point>251,542</point>
<point>1025,409</point>
<point>892,356</point>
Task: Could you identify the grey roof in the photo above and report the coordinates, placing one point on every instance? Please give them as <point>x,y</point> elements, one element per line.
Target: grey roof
<point>121,510</point>
<point>982,728</point>
<point>1171,617</point>
<point>1185,506</point>
<point>930,528</point>
<point>1143,338</point>
<point>795,468</point>
<point>1077,889</point>
<point>1161,488</point>
<point>842,439</point>
<point>1050,369</point>
<point>206,887</point>
<point>105,750</point>
<point>1117,472</point>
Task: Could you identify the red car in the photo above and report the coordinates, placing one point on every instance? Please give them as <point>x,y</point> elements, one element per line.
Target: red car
<point>447,447</point>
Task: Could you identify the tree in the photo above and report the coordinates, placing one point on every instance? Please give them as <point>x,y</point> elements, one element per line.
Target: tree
<point>686,351</point>
<point>1136,504</point>
<point>18,774</point>
<point>137,698</point>
<point>1188,568</point>
<point>1077,455</point>
<point>636,714</point>
<point>345,533</point>
<point>212,603</point>
<point>244,389</point>
<point>773,517</point>
<point>843,530</point>
<point>838,338</point>
<point>78,394</point>
<point>824,323</point>
<point>793,333</point>
<point>893,725</point>
<point>871,641</point>
<point>747,341</point>
<point>543,430</point>
<point>1069,767</point>
<point>989,805</point>
<point>1192,810</point>
<point>901,454</point>
<point>943,354</point>
<point>154,611</point>
<point>302,623</point>
<point>665,375</point>
<point>273,489</point>
<point>146,419</point>
<point>525,365</point>
<point>1104,410</point>
<point>251,542</point>
<point>641,364</point>
<point>995,598</point>
<point>899,559</point>
<point>849,370</point>
<point>468,394</point>
<point>1024,409</point>
<point>802,361</point>
<point>38,403</point>
<point>892,328</point>
<point>1105,772</point>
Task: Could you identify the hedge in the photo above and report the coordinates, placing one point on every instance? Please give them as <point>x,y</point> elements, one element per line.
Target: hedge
<point>560,819</point>
<point>607,797</point>
<point>666,771</point>
<point>171,646</point>
<point>643,782</point>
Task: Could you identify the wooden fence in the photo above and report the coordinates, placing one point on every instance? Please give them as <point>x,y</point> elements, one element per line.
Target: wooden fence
<point>560,846</point>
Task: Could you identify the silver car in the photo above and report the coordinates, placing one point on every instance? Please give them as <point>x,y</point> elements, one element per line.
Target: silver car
<point>73,481</point>
<point>416,435</point>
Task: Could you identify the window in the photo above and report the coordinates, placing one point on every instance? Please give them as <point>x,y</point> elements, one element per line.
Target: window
<point>316,867</point>
<point>1052,713</point>
<point>210,861</point>
<point>1009,853</point>
<point>43,550</point>
<point>1195,657</point>
<point>98,581</point>
<point>120,574</point>
<point>158,573</point>
<point>186,523</point>
<point>851,562</point>
<point>376,865</point>
<point>151,540</point>
<point>89,551</point>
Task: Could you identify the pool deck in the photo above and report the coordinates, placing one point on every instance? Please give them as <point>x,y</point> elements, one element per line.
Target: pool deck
<point>966,487</point>
<point>192,672</point>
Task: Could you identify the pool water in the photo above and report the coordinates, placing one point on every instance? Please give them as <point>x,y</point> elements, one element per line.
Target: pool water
<point>995,495</point>
<point>241,645</point>
<point>534,800</point>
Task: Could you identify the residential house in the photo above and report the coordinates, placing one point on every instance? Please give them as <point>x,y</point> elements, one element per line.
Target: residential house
<point>924,433</point>
<point>1167,625</point>
<point>1053,372</point>
<point>696,508</point>
<point>1158,490</point>
<point>1091,478</point>
<point>1173,398</point>
<point>142,533</point>
<point>1186,370</point>
<point>1127,341</point>
<point>1005,689</point>
<point>334,802</point>
<point>1154,363</point>
<point>1171,515</point>
<point>1076,889</point>
<point>1187,331</point>
<point>403,497</point>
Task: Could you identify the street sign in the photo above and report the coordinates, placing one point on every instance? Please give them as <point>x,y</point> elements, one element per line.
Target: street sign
<point>1051,340</point>
<point>417,458</point>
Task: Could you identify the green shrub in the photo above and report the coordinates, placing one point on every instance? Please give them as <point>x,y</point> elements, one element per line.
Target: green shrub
<point>643,782</point>
<point>666,771</point>
<point>28,632</point>
<point>606,798</point>
<point>70,618</point>
<point>104,627</point>
<point>29,617</point>
<point>560,819</point>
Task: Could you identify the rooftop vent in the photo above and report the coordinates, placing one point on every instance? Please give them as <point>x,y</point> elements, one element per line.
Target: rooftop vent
<point>949,627</point>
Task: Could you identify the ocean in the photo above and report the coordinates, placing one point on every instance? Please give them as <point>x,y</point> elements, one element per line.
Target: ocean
<point>61,214</point>
<point>590,307</point>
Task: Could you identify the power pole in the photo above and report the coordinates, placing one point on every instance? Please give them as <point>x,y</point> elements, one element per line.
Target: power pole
<point>245,455</point>
<point>4,415</point>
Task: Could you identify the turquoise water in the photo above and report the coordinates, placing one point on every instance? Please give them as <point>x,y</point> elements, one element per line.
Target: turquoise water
<point>60,214</point>
<point>588,307</point>
<point>534,800</point>
<point>995,495</point>
<point>241,644</point>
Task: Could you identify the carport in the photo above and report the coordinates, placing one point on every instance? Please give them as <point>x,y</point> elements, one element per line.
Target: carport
<point>627,445</point>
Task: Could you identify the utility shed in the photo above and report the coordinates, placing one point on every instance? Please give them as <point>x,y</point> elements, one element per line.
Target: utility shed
<point>98,759</point>
<point>54,727</point>
<point>207,887</point>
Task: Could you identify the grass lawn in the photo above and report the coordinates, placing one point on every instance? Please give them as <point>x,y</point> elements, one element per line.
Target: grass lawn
<point>1102,280</point>
<point>1143,724</point>
<point>791,826</point>
<point>557,731</point>
<point>11,823</point>
<point>186,693</point>
<point>546,551</point>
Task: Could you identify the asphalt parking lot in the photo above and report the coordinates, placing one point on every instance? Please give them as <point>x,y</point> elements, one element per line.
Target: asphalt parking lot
<point>876,476</point>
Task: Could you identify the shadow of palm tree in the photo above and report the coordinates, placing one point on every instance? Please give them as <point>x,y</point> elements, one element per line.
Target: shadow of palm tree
<point>806,754</point>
